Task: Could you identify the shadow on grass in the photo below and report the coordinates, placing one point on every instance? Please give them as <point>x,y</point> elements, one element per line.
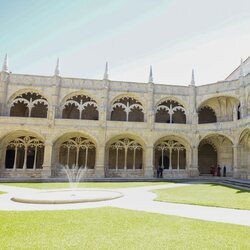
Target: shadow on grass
<point>237,190</point>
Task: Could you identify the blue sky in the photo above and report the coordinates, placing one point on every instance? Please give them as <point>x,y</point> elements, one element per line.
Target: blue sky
<point>172,35</point>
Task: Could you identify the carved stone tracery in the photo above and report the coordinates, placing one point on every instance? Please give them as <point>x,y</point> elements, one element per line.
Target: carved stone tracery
<point>126,144</point>
<point>81,103</point>
<point>128,105</point>
<point>30,100</point>
<point>26,143</point>
<point>170,146</point>
<point>74,146</point>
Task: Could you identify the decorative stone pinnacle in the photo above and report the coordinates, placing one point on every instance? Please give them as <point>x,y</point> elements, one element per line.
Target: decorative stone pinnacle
<point>106,75</point>
<point>57,69</point>
<point>5,67</point>
<point>241,68</point>
<point>192,78</point>
<point>150,79</point>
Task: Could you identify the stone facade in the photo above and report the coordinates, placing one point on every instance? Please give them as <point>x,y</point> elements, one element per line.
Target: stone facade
<point>122,129</point>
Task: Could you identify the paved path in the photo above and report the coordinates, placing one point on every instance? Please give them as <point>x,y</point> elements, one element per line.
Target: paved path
<point>137,198</point>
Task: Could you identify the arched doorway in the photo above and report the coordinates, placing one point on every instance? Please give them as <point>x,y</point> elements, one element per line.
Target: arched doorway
<point>207,157</point>
<point>215,150</point>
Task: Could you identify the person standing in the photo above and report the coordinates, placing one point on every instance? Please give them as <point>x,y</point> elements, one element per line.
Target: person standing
<point>224,171</point>
<point>218,171</point>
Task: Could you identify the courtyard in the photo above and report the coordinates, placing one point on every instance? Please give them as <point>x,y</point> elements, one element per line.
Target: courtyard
<point>149,215</point>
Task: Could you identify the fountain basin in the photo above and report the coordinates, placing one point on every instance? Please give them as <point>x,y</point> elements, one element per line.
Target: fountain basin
<point>67,196</point>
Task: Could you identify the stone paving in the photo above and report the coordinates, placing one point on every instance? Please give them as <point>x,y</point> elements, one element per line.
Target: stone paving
<point>136,198</point>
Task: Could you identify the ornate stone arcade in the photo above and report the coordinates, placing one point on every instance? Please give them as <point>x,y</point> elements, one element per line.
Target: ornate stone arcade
<point>113,127</point>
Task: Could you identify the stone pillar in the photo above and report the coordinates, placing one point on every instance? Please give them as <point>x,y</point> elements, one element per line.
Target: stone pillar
<point>150,109</point>
<point>100,161</point>
<point>193,169</point>
<point>192,116</point>
<point>236,165</point>
<point>47,161</point>
<point>104,104</point>
<point>4,82</point>
<point>235,113</point>
<point>148,163</point>
<point>243,106</point>
<point>56,92</point>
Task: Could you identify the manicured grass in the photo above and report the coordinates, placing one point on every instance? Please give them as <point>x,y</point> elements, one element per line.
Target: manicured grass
<point>85,184</point>
<point>110,228</point>
<point>206,195</point>
<point>2,192</point>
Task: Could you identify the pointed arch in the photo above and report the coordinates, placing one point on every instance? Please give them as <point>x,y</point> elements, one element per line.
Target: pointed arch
<point>125,155</point>
<point>127,108</point>
<point>214,151</point>
<point>79,106</point>
<point>28,103</point>
<point>170,111</point>
<point>22,150</point>
<point>170,153</point>
<point>218,108</point>
<point>74,148</point>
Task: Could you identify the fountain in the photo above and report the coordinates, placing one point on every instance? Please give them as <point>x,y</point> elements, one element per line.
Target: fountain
<point>71,195</point>
<point>74,174</point>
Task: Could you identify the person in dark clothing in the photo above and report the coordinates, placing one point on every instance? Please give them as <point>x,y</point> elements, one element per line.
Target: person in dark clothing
<point>224,171</point>
<point>160,172</point>
<point>218,170</point>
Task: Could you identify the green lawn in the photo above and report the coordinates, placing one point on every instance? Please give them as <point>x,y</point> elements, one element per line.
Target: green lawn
<point>85,184</point>
<point>110,228</point>
<point>207,195</point>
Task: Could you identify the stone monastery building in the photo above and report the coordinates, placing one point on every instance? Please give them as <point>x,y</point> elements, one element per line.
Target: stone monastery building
<point>123,129</point>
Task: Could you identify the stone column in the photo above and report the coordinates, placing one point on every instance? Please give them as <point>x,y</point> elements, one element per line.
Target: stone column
<point>191,114</point>
<point>243,106</point>
<point>47,161</point>
<point>236,167</point>
<point>235,113</point>
<point>100,161</point>
<point>149,116</point>
<point>148,163</point>
<point>193,169</point>
<point>4,82</point>
<point>56,92</point>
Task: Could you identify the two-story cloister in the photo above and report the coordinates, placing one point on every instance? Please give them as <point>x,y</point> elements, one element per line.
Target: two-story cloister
<point>123,129</point>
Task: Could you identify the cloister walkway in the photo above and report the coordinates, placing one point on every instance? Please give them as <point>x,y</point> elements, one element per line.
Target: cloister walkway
<point>136,198</point>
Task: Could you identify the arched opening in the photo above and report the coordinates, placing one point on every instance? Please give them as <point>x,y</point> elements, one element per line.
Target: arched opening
<point>29,105</point>
<point>243,150</point>
<point>127,109</point>
<point>77,151</point>
<point>125,158</point>
<point>80,107</point>
<point>206,115</point>
<point>207,158</point>
<point>214,152</point>
<point>170,154</point>
<point>218,109</point>
<point>24,152</point>
<point>170,112</point>
<point>238,113</point>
